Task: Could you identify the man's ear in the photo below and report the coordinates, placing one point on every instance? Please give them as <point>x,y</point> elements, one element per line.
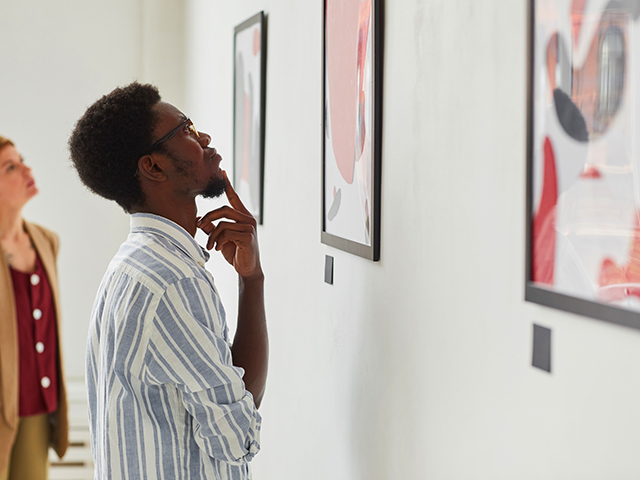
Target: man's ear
<point>151,168</point>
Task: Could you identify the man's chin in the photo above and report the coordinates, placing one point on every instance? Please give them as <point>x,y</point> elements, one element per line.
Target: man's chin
<point>215,188</point>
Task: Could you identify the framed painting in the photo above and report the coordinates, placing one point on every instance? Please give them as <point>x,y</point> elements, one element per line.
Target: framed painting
<point>249,80</point>
<point>352,125</point>
<point>583,168</point>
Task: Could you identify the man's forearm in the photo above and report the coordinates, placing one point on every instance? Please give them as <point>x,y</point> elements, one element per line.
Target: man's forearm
<point>250,348</point>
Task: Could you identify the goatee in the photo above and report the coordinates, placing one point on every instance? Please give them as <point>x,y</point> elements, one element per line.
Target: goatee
<point>215,188</point>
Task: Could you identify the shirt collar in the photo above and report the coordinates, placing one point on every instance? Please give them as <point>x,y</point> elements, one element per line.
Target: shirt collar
<point>150,223</point>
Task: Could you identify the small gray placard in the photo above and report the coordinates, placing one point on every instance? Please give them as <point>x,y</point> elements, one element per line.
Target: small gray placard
<point>542,348</point>
<point>328,269</point>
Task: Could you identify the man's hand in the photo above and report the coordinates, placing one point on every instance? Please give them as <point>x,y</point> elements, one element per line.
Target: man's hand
<point>237,240</point>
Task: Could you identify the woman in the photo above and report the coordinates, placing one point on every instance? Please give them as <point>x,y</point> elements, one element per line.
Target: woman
<point>33,406</point>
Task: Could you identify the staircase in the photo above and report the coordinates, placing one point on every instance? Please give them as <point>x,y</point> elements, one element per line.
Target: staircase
<point>77,463</point>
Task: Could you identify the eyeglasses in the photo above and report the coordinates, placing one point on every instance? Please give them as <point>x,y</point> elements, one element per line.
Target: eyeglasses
<point>186,123</point>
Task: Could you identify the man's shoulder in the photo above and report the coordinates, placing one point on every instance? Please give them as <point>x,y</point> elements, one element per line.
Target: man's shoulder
<point>152,259</point>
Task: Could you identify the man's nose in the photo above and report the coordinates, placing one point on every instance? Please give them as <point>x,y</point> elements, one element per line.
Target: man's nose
<point>204,139</point>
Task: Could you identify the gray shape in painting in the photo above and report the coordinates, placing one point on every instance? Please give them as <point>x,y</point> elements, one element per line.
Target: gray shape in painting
<point>335,206</point>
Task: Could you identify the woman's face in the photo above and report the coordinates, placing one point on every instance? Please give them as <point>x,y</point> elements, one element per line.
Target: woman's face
<point>17,185</point>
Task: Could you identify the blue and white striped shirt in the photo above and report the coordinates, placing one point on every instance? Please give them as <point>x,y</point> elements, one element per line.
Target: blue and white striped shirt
<point>165,401</point>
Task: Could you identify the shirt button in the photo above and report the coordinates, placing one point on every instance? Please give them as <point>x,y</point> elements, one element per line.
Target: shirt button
<point>45,382</point>
<point>201,264</point>
<point>37,314</point>
<point>35,279</point>
<point>40,347</point>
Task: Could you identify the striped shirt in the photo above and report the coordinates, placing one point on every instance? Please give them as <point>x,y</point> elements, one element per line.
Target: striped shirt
<point>165,401</point>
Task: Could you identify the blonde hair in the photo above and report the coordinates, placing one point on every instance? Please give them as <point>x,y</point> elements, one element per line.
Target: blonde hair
<point>5,142</point>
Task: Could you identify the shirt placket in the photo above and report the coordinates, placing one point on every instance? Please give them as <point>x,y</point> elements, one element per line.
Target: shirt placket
<point>39,331</point>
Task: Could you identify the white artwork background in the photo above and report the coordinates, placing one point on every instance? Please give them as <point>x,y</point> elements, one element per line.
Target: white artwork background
<point>595,218</point>
<point>252,69</point>
<point>351,221</point>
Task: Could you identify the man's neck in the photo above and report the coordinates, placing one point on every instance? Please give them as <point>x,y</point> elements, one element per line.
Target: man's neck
<point>182,214</point>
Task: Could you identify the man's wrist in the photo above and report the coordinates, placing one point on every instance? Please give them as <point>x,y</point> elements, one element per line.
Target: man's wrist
<point>255,278</point>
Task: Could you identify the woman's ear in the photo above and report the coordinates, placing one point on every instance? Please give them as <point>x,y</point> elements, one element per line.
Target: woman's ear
<point>151,168</point>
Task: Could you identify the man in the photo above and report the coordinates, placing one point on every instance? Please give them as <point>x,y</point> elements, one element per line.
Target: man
<point>166,392</point>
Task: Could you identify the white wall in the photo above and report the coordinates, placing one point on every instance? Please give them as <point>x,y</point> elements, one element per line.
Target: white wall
<point>56,58</point>
<point>416,367</point>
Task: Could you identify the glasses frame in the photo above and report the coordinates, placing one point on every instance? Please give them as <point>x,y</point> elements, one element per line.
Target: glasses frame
<point>171,134</point>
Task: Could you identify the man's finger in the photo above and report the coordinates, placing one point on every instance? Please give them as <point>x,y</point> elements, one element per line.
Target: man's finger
<point>225,212</point>
<point>233,197</point>
<point>240,238</point>
<point>227,226</point>
<point>215,231</point>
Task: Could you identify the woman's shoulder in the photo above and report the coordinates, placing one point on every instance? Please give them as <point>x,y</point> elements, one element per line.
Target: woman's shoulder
<point>49,236</point>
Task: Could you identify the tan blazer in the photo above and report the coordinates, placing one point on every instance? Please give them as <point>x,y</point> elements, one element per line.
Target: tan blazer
<point>46,244</point>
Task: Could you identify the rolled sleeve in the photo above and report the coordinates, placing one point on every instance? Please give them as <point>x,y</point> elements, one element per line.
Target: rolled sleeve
<point>229,432</point>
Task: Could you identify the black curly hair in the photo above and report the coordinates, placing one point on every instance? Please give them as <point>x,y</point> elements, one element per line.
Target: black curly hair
<point>110,137</point>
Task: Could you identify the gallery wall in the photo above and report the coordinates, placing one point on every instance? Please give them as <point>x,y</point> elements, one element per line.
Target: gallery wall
<point>56,58</point>
<point>418,366</point>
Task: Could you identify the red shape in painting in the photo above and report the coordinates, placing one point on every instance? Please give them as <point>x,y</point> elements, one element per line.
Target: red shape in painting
<point>620,281</point>
<point>591,172</point>
<point>544,222</point>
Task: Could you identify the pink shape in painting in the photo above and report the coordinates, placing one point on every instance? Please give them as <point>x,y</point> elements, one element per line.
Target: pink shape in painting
<point>342,60</point>
<point>577,13</point>
<point>363,35</point>
<point>256,41</point>
<point>247,135</point>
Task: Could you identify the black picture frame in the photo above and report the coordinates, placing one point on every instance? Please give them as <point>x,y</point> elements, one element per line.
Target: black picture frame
<point>250,73</point>
<point>538,292</point>
<point>370,247</point>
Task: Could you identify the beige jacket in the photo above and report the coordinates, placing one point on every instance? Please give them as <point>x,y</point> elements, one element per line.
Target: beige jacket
<point>46,244</point>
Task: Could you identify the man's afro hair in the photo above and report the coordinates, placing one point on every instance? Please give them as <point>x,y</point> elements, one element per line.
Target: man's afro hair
<point>110,137</point>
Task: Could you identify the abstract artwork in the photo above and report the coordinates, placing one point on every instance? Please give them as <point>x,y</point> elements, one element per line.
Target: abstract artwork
<point>352,126</point>
<point>583,198</point>
<point>249,112</point>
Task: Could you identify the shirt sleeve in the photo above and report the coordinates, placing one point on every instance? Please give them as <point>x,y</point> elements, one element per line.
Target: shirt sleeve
<point>187,348</point>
